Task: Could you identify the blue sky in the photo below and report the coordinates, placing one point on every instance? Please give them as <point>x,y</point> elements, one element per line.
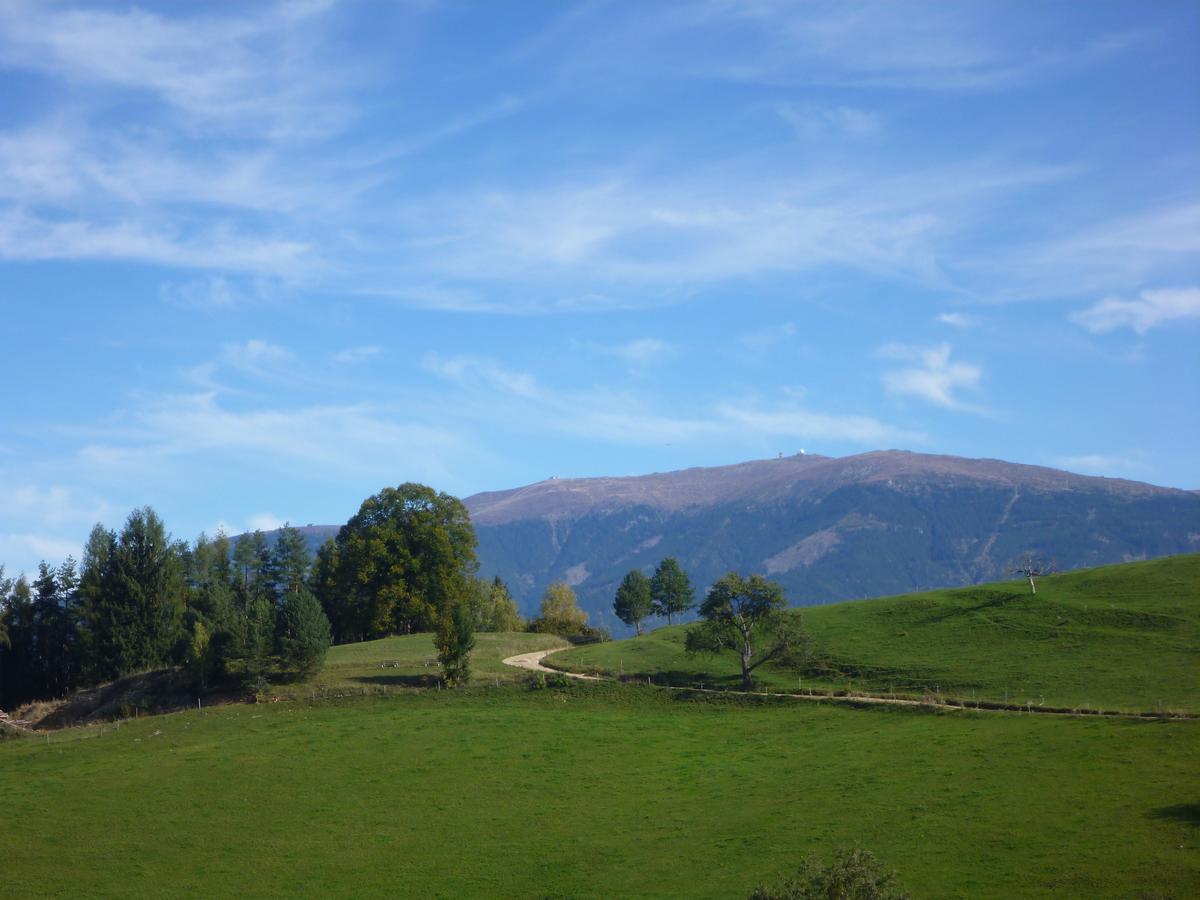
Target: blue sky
<point>258,261</point>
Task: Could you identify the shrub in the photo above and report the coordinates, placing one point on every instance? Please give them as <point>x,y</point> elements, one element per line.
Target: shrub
<point>854,874</point>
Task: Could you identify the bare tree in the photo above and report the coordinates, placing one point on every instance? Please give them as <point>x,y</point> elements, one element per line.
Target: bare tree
<point>1033,567</point>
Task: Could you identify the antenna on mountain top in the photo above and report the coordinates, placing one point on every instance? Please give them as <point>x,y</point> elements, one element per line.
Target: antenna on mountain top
<point>801,451</point>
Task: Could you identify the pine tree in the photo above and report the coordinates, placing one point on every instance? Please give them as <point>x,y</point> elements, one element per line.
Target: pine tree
<point>455,639</point>
<point>303,632</point>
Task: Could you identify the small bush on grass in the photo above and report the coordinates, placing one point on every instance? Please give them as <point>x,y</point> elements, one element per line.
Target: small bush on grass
<point>854,874</point>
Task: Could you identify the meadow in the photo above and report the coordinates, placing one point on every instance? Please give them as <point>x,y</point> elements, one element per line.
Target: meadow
<point>1124,638</point>
<point>595,790</point>
<point>367,781</point>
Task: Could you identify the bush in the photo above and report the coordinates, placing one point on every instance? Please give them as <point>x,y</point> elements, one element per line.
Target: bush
<point>854,874</point>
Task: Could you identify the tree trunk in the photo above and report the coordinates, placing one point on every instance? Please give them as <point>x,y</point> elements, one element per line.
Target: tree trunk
<point>746,654</point>
<point>638,626</point>
<point>1032,586</point>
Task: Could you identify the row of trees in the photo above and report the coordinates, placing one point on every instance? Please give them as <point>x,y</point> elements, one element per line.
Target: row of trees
<point>668,592</point>
<point>744,615</point>
<point>140,600</point>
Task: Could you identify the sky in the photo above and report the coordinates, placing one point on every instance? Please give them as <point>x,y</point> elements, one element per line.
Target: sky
<point>260,260</point>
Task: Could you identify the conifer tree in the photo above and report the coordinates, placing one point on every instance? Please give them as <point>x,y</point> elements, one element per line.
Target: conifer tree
<point>303,632</point>
<point>455,639</point>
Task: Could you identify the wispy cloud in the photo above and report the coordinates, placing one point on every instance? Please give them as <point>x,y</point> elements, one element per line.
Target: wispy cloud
<point>354,355</point>
<point>641,351</point>
<point>1119,465</point>
<point>1150,310</point>
<point>762,338</point>
<point>238,72</point>
<point>936,378</point>
<point>957,320</point>
<point>624,418</point>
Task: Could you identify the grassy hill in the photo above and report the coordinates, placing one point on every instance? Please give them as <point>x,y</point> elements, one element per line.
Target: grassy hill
<point>359,782</point>
<point>1123,637</point>
<point>595,790</point>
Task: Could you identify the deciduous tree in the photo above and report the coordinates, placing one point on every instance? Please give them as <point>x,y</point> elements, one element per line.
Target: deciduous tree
<point>560,613</point>
<point>670,590</point>
<point>633,601</point>
<point>746,616</point>
<point>408,553</point>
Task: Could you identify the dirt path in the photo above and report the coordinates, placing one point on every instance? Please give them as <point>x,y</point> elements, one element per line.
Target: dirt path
<point>533,662</point>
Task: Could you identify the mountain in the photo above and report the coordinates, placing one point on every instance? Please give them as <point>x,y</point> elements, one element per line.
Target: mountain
<point>826,528</point>
<point>881,523</point>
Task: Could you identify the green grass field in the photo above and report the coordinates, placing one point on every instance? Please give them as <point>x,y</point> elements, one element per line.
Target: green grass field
<point>1119,637</point>
<point>595,791</point>
<point>363,783</point>
<point>411,661</point>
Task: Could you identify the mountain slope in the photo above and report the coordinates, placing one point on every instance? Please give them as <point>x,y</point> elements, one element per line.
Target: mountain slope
<point>827,528</point>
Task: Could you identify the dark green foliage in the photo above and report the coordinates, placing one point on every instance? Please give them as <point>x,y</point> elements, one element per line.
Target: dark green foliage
<point>853,874</point>
<point>303,632</point>
<point>670,590</point>
<point>455,639</point>
<point>290,561</point>
<point>133,596</point>
<point>633,601</point>
<point>408,553</point>
<point>746,616</point>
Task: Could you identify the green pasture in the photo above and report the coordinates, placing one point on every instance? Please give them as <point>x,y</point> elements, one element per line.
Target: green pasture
<point>1121,637</point>
<point>595,790</point>
<point>411,661</point>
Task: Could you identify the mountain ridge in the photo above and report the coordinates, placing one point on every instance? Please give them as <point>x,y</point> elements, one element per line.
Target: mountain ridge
<point>828,528</point>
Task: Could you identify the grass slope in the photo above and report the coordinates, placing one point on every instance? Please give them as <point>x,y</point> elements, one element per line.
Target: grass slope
<point>599,790</point>
<point>1118,637</point>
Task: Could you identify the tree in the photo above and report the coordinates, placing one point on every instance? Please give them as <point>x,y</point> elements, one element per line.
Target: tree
<point>133,594</point>
<point>290,562</point>
<point>303,632</point>
<point>747,616</point>
<point>407,554</point>
<point>853,875</point>
<point>1033,567</point>
<point>455,639</point>
<point>493,607</point>
<point>560,613</point>
<point>670,590</point>
<point>633,600</point>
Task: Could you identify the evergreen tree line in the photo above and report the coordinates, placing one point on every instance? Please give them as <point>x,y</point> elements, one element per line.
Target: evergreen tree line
<point>140,600</point>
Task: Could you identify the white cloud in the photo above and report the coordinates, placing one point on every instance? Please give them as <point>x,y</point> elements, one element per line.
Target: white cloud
<point>352,355</point>
<point>935,379</point>
<point>236,72</point>
<point>1150,310</point>
<point>264,522</point>
<point>957,320</point>
<point>763,338</point>
<point>641,351</point>
<point>1101,464</point>
<point>623,418</point>
<point>54,505</point>
<point>821,121</point>
<point>22,551</point>
<point>350,439</point>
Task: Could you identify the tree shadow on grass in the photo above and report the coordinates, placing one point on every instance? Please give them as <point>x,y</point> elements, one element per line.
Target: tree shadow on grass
<point>993,602</point>
<point>399,680</point>
<point>1187,813</point>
